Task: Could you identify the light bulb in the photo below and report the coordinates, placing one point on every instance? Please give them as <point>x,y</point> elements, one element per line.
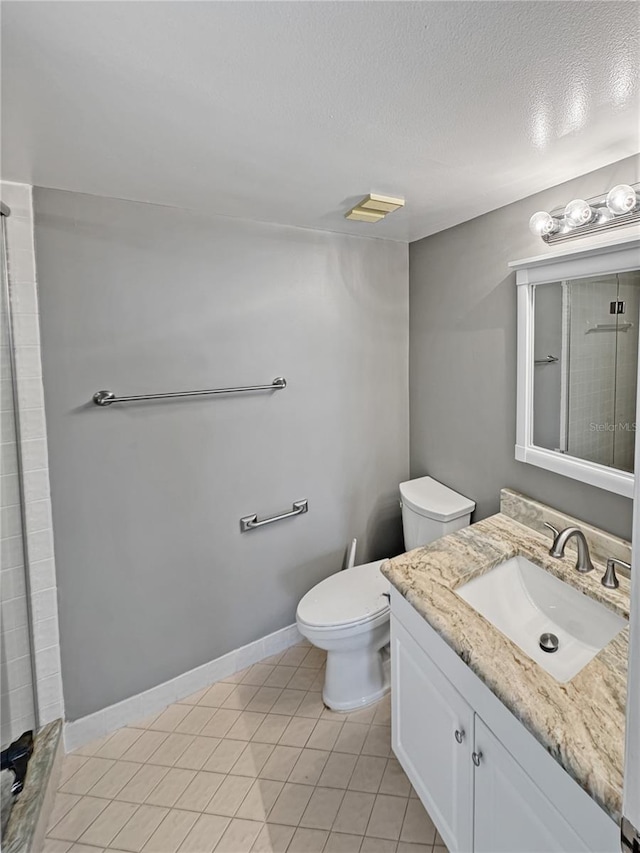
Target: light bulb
<point>578,212</point>
<point>605,215</point>
<point>622,199</point>
<point>543,223</point>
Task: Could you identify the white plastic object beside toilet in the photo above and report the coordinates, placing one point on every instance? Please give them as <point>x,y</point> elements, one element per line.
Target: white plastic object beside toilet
<point>347,614</point>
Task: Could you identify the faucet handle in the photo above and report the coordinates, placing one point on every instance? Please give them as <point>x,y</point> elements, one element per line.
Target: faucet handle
<point>554,551</point>
<point>609,579</point>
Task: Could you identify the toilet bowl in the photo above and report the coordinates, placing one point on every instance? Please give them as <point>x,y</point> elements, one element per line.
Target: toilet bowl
<point>348,614</point>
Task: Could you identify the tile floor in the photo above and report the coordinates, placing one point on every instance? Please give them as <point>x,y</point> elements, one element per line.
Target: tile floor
<point>252,763</point>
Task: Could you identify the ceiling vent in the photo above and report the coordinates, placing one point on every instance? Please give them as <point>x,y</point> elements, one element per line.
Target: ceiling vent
<point>373,208</point>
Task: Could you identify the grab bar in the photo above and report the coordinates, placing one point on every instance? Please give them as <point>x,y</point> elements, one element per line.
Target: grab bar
<point>250,522</point>
<point>548,359</point>
<point>106,398</point>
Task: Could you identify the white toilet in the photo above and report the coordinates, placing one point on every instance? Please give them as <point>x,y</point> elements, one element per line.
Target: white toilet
<point>347,614</point>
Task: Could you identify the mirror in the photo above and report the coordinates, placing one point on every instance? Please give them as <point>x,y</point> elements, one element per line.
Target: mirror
<point>578,324</point>
<point>585,358</point>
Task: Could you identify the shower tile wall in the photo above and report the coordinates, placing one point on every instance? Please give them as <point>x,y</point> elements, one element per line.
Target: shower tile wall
<point>592,368</point>
<point>16,693</point>
<point>627,372</point>
<point>600,380</point>
<point>16,707</point>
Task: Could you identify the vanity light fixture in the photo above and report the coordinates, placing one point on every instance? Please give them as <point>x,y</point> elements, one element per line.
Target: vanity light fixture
<point>622,199</point>
<point>374,207</point>
<point>620,206</point>
<point>578,212</point>
<point>542,223</point>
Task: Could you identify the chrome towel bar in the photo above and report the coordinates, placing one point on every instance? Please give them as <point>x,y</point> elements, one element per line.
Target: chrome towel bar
<point>106,398</point>
<point>250,522</point>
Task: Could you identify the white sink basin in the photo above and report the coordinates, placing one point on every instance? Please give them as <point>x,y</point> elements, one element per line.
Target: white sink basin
<point>524,601</point>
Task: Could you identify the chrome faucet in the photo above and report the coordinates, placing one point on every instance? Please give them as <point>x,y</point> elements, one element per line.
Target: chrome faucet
<point>583,563</point>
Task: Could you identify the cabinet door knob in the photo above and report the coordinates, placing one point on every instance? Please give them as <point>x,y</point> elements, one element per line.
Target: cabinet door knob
<point>477,758</point>
<point>459,735</point>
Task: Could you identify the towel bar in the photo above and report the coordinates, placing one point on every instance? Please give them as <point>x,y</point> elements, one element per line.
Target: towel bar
<point>106,398</point>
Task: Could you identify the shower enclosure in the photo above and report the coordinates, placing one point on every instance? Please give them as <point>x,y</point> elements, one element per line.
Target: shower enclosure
<point>585,367</point>
<point>18,705</point>
<point>601,315</point>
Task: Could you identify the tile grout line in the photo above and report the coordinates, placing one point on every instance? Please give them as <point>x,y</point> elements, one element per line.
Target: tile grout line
<point>169,767</point>
<point>231,817</point>
<point>245,742</point>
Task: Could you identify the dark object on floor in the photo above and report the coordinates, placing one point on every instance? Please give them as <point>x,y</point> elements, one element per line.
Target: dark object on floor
<point>16,757</point>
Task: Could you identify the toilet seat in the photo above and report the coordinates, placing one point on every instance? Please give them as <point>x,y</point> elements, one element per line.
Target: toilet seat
<point>349,598</point>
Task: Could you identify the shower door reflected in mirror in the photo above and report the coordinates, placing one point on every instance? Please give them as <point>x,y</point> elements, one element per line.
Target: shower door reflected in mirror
<point>585,367</point>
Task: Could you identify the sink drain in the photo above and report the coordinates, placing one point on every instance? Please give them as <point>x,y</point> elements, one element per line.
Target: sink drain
<point>549,643</point>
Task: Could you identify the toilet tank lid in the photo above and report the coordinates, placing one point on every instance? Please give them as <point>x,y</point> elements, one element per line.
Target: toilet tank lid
<point>432,499</point>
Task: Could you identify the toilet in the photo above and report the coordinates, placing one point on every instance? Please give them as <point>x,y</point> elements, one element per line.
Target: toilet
<point>347,614</point>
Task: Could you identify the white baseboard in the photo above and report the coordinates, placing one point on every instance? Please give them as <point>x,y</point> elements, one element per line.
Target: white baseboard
<point>79,732</point>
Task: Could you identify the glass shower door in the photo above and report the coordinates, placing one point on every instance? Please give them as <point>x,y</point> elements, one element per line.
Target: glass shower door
<point>591,367</point>
<point>626,370</point>
<point>17,705</point>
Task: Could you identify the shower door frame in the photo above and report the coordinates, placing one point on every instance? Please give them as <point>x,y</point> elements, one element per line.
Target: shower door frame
<point>5,212</point>
<point>40,585</point>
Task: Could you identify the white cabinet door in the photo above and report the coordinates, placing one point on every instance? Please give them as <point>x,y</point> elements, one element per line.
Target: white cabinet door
<point>511,813</point>
<point>432,731</point>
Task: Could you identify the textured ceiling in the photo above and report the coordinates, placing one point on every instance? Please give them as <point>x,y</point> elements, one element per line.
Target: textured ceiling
<point>289,112</point>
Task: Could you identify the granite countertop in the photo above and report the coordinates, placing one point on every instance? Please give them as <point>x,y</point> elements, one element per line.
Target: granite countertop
<point>580,723</point>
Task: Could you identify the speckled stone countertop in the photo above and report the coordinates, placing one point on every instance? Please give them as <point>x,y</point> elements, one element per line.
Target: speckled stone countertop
<point>580,723</point>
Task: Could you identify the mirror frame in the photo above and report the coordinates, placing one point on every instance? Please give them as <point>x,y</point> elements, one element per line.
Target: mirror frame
<point>613,256</point>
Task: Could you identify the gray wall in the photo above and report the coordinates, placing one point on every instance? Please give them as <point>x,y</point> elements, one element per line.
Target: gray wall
<point>462,376</point>
<point>154,576</point>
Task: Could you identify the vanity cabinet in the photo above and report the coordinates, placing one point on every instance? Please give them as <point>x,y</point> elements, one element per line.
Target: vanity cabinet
<point>511,814</point>
<point>432,730</point>
<point>487,784</point>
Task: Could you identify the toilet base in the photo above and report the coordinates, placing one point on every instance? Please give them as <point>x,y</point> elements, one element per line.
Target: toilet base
<point>356,705</point>
<point>358,670</point>
<point>355,679</point>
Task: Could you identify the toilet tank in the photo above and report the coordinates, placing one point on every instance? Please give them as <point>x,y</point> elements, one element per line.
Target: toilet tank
<point>431,510</point>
